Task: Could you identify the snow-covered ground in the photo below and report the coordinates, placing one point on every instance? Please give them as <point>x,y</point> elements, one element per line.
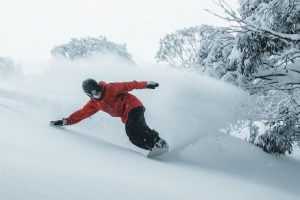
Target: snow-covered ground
<point>95,160</point>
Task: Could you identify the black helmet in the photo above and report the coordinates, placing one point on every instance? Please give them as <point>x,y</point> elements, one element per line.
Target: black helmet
<point>92,88</point>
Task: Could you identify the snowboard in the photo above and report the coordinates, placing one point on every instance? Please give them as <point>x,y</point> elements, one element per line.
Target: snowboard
<point>157,151</point>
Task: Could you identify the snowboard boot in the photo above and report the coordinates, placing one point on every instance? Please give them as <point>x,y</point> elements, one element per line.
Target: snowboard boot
<point>161,143</point>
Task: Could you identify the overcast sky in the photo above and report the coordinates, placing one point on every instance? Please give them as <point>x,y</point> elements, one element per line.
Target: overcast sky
<point>31,28</point>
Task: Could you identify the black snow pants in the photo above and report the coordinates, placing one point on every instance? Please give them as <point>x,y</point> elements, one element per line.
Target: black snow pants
<point>138,131</point>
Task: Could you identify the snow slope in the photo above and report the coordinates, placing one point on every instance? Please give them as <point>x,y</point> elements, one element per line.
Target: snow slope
<point>95,160</point>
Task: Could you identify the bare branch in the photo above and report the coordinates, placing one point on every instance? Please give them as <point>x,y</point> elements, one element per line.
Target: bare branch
<point>246,25</point>
<point>270,75</point>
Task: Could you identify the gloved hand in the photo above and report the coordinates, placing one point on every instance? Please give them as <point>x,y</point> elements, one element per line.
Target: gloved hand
<point>61,122</point>
<point>152,84</point>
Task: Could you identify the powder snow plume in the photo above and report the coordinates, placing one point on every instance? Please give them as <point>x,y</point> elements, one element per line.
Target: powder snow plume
<point>183,109</point>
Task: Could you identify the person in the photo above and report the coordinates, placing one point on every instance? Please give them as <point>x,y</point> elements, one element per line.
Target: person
<point>115,99</point>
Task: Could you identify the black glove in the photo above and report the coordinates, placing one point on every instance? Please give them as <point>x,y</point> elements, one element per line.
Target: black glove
<point>60,122</point>
<point>152,84</point>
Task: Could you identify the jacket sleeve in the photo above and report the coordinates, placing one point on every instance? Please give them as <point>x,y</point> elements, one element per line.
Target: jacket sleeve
<point>123,87</point>
<point>88,110</point>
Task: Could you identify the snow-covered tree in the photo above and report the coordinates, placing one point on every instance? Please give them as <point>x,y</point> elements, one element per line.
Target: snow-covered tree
<point>84,47</point>
<point>267,35</point>
<point>214,50</point>
<point>180,48</point>
<point>267,44</point>
<point>280,111</point>
<point>9,69</point>
<point>205,48</point>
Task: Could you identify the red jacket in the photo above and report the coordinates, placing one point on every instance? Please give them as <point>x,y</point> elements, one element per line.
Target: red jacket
<point>115,100</point>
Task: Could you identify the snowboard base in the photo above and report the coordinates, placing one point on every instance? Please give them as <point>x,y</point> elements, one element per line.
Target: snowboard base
<point>156,152</point>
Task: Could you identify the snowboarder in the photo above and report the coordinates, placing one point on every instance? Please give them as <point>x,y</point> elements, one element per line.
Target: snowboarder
<point>114,99</point>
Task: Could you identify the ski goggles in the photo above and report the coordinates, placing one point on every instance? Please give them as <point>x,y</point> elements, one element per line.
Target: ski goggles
<point>94,94</point>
